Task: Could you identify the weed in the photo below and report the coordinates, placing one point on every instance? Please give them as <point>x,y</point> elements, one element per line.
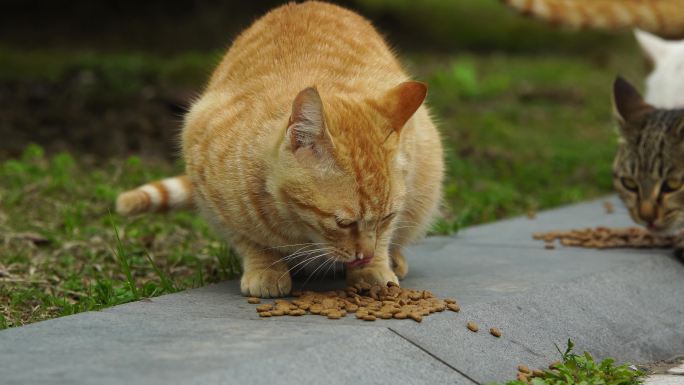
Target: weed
<point>583,370</point>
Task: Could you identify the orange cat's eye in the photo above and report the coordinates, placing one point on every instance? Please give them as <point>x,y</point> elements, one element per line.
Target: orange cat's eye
<point>629,184</point>
<point>345,224</point>
<point>671,185</point>
<point>387,217</point>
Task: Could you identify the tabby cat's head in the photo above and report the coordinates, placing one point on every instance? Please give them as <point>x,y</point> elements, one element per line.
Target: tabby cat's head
<point>648,170</point>
<point>341,167</point>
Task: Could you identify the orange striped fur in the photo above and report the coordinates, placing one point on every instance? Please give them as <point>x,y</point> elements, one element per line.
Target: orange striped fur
<point>664,18</point>
<point>311,147</point>
<point>166,194</point>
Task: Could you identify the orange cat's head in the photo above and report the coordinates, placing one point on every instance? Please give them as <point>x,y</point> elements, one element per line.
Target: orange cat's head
<point>340,168</point>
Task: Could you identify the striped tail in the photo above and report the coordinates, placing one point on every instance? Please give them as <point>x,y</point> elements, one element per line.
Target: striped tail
<point>664,18</point>
<point>166,194</point>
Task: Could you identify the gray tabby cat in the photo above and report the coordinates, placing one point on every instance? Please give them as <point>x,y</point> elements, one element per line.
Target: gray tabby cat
<point>648,170</point>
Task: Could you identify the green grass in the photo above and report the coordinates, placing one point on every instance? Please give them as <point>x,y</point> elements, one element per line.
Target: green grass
<point>76,255</point>
<point>583,370</point>
<point>521,132</point>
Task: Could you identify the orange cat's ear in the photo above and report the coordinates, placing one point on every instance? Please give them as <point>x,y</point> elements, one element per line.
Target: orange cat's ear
<point>306,128</point>
<point>630,108</point>
<point>402,101</point>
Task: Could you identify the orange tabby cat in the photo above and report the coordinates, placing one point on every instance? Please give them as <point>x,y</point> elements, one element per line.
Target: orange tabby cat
<point>309,147</point>
<point>664,18</point>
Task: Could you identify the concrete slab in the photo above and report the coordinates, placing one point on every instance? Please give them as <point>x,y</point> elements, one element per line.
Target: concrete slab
<point>123,348</point>
<point>516,232</point>
<point>627,314</point>
<point>621,303</point>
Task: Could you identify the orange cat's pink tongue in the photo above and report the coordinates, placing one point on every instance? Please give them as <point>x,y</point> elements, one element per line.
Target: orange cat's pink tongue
<point>359,262</point>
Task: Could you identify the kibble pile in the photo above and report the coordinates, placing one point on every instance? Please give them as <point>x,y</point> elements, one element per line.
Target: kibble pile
<point>605,238</point>
<point>367,302</point>
<point>525,374</point>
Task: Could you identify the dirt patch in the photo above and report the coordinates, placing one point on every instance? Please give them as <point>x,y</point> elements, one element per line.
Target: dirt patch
<point>661,367</point>
<point>79,112</point>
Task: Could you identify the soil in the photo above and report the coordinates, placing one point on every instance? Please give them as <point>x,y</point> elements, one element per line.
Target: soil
<point>75,113</point>
<point>661,367</point>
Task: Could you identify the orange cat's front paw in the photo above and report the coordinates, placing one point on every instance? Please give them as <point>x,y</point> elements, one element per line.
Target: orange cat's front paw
<point>399,264</point>
<point>267,283</point>
<point>375,275</point>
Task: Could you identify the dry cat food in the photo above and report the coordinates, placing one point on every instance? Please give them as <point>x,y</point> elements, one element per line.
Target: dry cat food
<point>605,238</point>
<point>525,374</point>
<point>367,302</point>
<point>495,332</point>
<point>472,326</point>
<point>608,206</point>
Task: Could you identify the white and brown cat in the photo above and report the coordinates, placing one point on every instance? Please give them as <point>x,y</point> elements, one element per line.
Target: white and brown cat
<point>311,147</point>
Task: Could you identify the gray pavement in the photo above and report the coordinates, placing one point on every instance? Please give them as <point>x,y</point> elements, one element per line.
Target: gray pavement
<point>628,304</point>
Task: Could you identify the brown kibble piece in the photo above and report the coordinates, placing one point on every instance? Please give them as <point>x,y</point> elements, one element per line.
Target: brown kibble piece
<point>264,314</point>
<point>315,309</point>
<point>522,368</point>
<point>264,307</point>
<point>453,307</point>
<point>400,315</point>
<point>449,300</point>
<point>297,312</point>
<point>277,312</point>
<point>554,364</point>
<point>369,318</point>
<point>608,206</point>
<point>537,373</point>
<point>253,300</point>
<point>472,326</point>
<point>416,317</point>
<point>522,377</point>
<point>495,332</point>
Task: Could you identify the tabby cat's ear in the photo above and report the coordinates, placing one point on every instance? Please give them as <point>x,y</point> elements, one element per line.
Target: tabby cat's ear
<point>630,108</point>
<point>306,128</point>
<point>402,101</point>
<point>655,48</point>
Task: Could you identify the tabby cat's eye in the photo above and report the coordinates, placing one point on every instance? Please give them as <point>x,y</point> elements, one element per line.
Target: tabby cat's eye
<point>629,184</point>
<point>671,185</point>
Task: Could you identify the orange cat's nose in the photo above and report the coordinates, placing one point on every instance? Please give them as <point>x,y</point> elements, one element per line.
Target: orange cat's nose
<point>366,254</point>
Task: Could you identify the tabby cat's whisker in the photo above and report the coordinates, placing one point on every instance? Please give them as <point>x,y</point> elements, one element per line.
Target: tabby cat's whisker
<point>295,244</point>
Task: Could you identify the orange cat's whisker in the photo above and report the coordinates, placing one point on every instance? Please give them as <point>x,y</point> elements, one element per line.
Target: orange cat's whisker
<point>330,261</point>
<point>297,254</point>
<point>306,262</point>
